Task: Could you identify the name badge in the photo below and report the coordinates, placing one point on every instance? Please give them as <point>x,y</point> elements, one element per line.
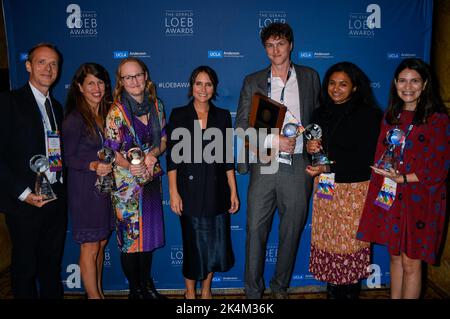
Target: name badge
<point>386,196</point>
<point>326,185</point>
<point>54,151</point>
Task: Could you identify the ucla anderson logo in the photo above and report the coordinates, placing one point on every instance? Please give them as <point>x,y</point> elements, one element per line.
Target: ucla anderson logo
<point>306,54</point>
<point>215,54</point>
<point>219,54</point>
<point>398,55</point>
<point>81,24</point>
<point>315,55</point>
<point>121,54</point>
<point>126,54</point>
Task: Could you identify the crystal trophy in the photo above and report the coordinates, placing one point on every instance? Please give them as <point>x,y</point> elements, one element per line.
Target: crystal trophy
<point>40,164</point>
<point>289,130</point>
<point>105,184</point>
<point>394,138</point>
<point>314,132</point>
<point>136,156</point>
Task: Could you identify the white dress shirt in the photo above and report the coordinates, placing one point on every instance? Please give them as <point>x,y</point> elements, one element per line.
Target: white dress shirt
<point>291,101</point>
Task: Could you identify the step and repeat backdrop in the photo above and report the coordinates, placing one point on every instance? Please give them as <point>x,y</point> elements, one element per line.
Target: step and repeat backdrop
<point>173,37</point>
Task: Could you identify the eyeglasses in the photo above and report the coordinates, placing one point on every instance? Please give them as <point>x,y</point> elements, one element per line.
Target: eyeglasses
<point>129,78</point>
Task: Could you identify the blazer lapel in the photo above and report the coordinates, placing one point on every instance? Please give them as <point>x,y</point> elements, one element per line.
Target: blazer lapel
<point>261,84</point>
<point>301,81</point>
<point>32,112</point>
<point>212,116</point>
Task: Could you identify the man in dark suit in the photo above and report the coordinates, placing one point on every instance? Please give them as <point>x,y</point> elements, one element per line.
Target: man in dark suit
<point>37,226</point>
<point>287,188</point>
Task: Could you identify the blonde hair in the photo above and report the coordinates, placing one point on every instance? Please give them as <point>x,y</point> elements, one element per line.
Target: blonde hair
<point>149,85</point>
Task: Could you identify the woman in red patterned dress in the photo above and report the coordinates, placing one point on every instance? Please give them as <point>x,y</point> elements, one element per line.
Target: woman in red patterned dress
<point>411,226</point>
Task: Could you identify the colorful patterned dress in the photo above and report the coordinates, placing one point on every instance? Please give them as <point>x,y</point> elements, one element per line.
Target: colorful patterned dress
<point>337,257</point>
<point>138,209</point>
<point>415,222</point>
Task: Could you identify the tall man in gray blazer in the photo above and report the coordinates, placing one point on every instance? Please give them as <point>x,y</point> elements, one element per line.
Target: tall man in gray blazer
<point>289,188</point>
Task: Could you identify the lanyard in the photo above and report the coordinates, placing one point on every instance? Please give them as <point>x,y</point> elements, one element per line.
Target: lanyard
<point>137,140</point>
<point>269,84</point>
<point>402,149</point>
<point>101,135</point>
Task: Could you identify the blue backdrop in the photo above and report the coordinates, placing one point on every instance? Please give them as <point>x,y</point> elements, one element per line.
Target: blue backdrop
<point>173,37</point>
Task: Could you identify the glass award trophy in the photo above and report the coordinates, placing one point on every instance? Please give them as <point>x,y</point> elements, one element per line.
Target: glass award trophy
<point>40,164</point>
<point>314,132</point>
<point>289,130</point>
<point>105,184</point>
<point>136,156</point>
<point>394,138</point>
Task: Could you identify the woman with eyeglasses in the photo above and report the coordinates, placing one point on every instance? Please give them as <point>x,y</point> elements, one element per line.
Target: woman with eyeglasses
<point>135,129</point>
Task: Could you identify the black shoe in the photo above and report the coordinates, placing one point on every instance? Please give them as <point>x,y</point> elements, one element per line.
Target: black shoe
<point>352,291</point>
<point>334,291</point>
<point>136,294</point>
<point>279,295</point>
<point>149,291</point>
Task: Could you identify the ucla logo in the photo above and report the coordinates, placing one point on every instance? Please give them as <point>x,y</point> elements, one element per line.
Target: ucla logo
<point>306,55</point>
<point>217,54</point>
<point>217,279</point>
<point>121,54</point>
<point>393,55</point>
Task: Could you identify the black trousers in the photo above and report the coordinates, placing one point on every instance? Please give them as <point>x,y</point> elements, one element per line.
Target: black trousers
<point>137,268</point>
<point>37,236</point>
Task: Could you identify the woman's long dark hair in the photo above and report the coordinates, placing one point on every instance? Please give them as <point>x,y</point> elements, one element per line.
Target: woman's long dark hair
<point>362,96</point>
<point>76,100</point>
<point>429,101</point>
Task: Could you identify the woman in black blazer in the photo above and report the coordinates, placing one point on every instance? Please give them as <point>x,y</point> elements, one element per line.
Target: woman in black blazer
<point>202,183</point>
